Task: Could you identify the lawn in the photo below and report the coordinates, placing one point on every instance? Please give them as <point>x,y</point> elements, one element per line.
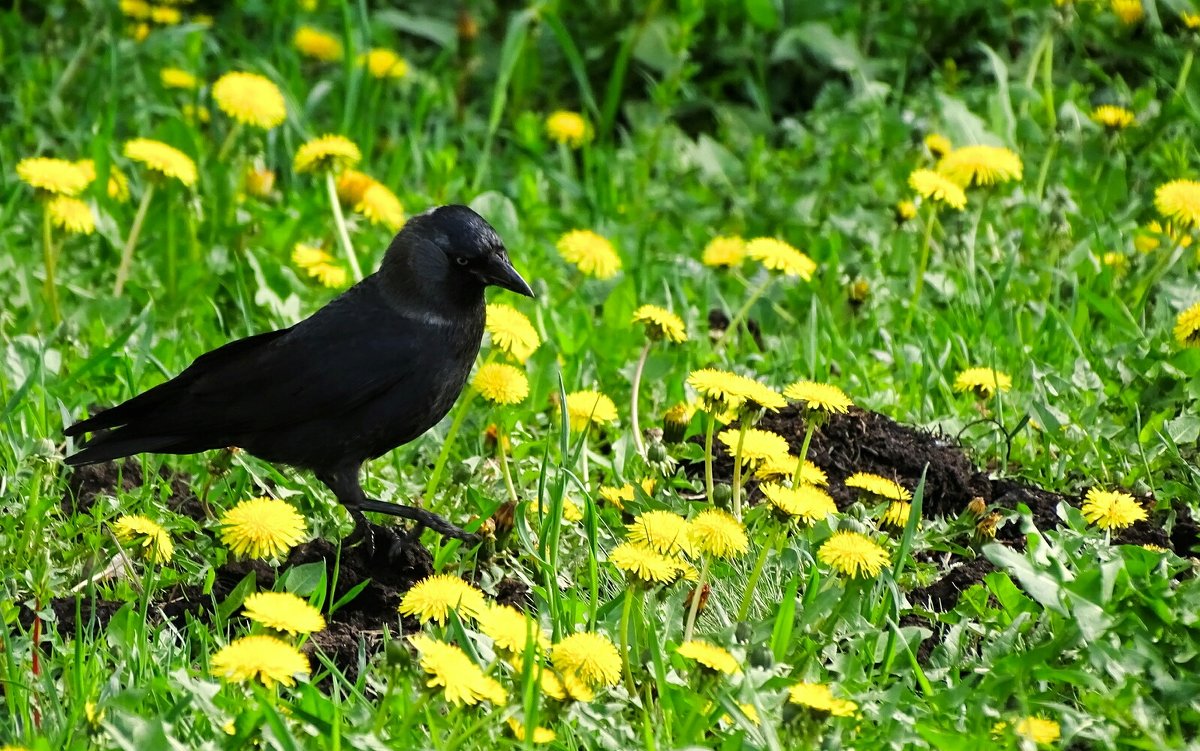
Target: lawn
<point>856,407</point>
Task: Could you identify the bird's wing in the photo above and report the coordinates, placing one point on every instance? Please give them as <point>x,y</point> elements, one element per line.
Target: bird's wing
<point>324,365</point>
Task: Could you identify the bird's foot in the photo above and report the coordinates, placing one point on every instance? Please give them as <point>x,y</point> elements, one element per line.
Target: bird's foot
<point>423,518</point>
<point>363,535</point>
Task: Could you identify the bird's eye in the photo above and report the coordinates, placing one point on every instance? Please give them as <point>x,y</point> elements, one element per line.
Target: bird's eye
<point>461,261</point>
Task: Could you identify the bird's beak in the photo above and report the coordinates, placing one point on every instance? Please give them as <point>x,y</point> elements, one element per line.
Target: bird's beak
<point>501,273</point>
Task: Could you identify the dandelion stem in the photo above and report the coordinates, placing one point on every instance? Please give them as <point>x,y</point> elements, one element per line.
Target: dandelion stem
<point>230,139</point>
<point>737,471</point>
<point>343,234</point>
<point>708,456</point>
<point>50,258</point>
<point>922,264</point>
<point>1185,70</point>
<point>501,444</point>
<point>633,407</point>
<point>439,466</point>
<point>131,242</point>
<point>626,610</point>
<point>690,625</point>
<point>743,311</point>
<point>808,434</point>
<point>756,573</point>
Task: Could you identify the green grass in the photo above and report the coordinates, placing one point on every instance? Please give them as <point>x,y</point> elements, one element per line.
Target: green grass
<point>800,121</point>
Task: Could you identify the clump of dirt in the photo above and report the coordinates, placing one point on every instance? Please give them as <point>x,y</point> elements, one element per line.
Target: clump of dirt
<point>89,481</point>
<point>943,594</point>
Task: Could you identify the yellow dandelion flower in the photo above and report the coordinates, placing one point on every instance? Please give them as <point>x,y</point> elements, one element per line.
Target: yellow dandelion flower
<point>661,531</point>
<point>568,128</point>
<point>1111,509</point>
<point>71,214</point>
<point>896,515</point>
<point>935,187</point>
<point>326,153</point>
<point>1179,200</point>
<point>1150,237</point>
<point>139,9</point>
<point>351,185</point>
<point>461,680</point>
<point>590,252</point>
<point>776,255</point>
<point>250,99</point>
<point>571,512</point>
<point>266,658</point>
<point>984,382</point>
<point>384,63</point>
<point>1112,117</point>
<point>641,562</point>
<point>154,541</point>
<point>876,485</point>
<point>710,656</point>
<point>725,390</point>
<point>165,15</point>
<point>1187,327</point>
<point>981,165</point>
<point>724,251</point>
<point>805,503</point>
<point>853,554</point>
<point>757,445</point>
<point>540,734</point>
<point>661,323</point>
<point>784,465</point>
<point>1038,729</point>
<point>177,78</point>
<point>501,383</point>
<point>566,686</point>
<point>328,274</point>
<point>283,611</point>
<point>165,160</point>
<point>381,206</point>
<point>511,331</point>
<point>306,256</point>
<point>938,144</point>
<point>715,532</point>
<point>511,629</point>
<point>118,184</point>
<point>262,528</point>
<point>1115,260</point>
<point>820,396</point>
<point>1190,20</point>
<point>905,211</point>
<point>57,176</point>
<point>195,114</point>
<point>587,407</point>
<point>432,599</point>
<point>590,656</point>
<point>748,710</point>
<point>317,44</point>
<point>1128,11</point>
<point>819,697</point>
<point>617,496</point>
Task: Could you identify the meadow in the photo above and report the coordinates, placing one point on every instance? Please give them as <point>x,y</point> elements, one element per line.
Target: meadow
<point>856,407</point>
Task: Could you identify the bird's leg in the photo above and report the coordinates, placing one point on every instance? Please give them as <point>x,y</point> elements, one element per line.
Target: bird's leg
<point>420,516</point>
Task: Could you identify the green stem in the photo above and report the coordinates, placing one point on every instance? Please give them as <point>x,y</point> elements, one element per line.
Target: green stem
<point>922,264</point>
<point>626,609</point>
<point>708,456</point>
<point>690,624</point>
<point>633,408</point>
<point>1185,70</point>
<point>50,259</point>
<point>1048,83</point>
<point>230,139</point>
<point>439,467</point>
<point>501,440</point>
<point>737,471</point>
<point>131,242</point>
<point>340,221</point>
<point>743,311</point>
<point>752,582</point>
<point>808,434</point>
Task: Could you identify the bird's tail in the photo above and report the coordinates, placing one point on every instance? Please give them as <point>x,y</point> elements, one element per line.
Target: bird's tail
<point>114,445</point>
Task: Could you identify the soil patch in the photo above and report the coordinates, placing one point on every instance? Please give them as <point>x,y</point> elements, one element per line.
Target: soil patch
<point>943,594</point>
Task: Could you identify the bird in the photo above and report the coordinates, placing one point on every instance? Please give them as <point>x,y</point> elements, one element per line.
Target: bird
<point>375,368</point>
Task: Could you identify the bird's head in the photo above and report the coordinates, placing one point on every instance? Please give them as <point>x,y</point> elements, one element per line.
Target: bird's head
<point>454,244</point>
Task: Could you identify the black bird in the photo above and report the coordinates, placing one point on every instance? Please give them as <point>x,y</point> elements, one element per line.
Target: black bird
<point>372,370</point>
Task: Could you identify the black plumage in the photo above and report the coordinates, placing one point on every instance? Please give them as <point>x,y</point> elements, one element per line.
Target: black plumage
<point>374,369</point>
